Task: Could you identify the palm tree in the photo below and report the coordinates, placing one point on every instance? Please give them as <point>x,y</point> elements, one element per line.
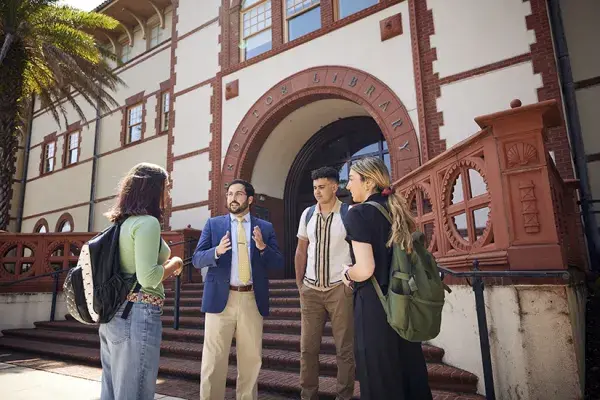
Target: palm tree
<point>47,50</point>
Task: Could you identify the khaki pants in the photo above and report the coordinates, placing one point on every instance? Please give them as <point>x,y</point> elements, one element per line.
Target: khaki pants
<point>241,317</point>
<point>316,305</point>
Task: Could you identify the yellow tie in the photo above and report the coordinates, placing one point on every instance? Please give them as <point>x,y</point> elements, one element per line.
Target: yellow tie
<point>243,258</point>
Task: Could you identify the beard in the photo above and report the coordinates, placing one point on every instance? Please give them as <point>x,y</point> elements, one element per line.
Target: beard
<point>236,208</point>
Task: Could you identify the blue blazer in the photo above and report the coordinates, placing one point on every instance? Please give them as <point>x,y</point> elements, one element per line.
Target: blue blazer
<point>216,286</point>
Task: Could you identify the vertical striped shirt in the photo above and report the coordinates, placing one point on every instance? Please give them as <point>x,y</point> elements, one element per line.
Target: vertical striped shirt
<point>328,250</point>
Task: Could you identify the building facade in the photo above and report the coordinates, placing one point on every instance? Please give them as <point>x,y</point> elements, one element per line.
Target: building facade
<point>267,90</point>
<point>252,89</point>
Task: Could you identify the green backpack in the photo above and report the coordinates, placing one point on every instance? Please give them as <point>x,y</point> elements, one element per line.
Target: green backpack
<point>415,297</point>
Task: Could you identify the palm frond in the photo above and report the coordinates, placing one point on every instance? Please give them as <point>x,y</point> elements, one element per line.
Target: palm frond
<point>62,53</point>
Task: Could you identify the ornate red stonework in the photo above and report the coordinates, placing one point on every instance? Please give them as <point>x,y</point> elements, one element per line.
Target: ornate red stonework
<point>391,27</point>
<point>328,82</point>
<point>232,89</point>
<point>530,208</point>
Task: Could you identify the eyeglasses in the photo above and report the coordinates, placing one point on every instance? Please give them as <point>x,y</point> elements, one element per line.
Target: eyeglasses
<point>235,195</point>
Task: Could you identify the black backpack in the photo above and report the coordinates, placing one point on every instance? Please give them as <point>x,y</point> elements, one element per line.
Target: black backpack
<point>96,287</point>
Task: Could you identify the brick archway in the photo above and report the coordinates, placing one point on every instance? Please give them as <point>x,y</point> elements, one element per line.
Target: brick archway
<point>302,88</point>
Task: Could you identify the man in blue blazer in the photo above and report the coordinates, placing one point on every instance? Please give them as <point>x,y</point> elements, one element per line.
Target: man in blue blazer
<point>236,292</point>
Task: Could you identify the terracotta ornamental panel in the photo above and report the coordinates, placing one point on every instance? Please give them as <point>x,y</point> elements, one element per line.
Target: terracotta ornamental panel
<point>315,84</point>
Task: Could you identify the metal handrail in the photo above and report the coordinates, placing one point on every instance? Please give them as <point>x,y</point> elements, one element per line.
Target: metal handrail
<point>56,274</point>
<point>31,278</point>
<point>478,287</point>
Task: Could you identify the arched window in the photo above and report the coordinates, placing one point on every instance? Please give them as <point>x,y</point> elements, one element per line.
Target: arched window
<point>256,37</point>
<point>65,223</point>
<point>41,226</point>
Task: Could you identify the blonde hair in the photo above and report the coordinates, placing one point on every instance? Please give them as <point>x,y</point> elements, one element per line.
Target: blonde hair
<point>403,224</point>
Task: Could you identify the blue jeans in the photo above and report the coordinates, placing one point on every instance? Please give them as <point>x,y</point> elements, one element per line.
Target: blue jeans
<point>130,352</point>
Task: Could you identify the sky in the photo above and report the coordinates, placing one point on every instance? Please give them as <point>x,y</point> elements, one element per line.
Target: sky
<point>85,5</point>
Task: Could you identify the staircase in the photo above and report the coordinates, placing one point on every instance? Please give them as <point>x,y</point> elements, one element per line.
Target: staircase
<point>181,350</point>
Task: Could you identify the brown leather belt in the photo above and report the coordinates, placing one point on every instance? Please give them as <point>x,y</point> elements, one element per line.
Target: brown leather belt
<point>247,288</point>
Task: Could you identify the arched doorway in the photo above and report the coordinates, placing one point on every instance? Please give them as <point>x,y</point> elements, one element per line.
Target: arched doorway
<point>337,145</point>
<point>275,129</point>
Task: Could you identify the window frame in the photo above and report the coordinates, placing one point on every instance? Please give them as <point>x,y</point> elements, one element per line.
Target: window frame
<point>128,126</point>
<point>124,45</point>
<point>67,150</point>
<point>159,36</point>
<point>45,157</point>
<point>243,39</point>
<point>286,19</point>
<point>336,10</point>
<point>164,115</point>
<point>41,223</point>
<point>63,219</point>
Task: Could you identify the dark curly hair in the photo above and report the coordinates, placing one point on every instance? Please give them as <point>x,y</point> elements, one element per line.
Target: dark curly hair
<point>327,173</point>
<point>141,192</point>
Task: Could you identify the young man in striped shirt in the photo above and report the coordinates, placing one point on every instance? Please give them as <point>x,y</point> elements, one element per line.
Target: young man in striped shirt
<point>321,253</point>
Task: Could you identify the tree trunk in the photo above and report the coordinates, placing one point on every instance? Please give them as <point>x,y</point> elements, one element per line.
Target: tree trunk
<point>11,87</point>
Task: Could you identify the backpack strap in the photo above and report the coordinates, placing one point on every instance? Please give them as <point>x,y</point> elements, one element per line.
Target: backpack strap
<point>309,214</point>
<point>381,209</point>
<point>129,305</point>
<point>344,209</point>
<point>406,275</point>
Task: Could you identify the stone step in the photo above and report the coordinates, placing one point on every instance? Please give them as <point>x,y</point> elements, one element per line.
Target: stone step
<point>279,359</point>
<point>273,293</point>
<point>197,302</point>
<point>273,284</point>
<point>274,312</point>
<point>270,340</point>
<point>269,379</point>
<point>270,325</point>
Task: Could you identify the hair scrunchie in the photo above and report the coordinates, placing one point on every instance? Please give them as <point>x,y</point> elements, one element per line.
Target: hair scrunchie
<point>387,191</point>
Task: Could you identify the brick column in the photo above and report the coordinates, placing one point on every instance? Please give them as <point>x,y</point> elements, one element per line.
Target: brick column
<point>277,20</point>
<point>327,16</point>
<point>232,27</point>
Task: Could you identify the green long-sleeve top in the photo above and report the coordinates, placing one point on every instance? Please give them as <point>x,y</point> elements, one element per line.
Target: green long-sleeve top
<point>139,245</point>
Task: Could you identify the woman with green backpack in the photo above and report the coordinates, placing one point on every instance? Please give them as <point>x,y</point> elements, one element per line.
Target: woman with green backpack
<point>387,365</point>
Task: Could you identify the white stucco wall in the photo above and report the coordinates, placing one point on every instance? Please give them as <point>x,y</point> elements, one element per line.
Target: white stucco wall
<point>580,21</point>
<point>58,190</point>
<point>473,33</point>
<point>45,124</point>
<point>79,214</point>
<point>191,181</point>
<point>464,100</point>
<point>198,57</point>
<point>196,217</point>
<point>147,75</point>
<point>588,100</point>
<point>100,221</point>
<point>357,45</point>
<point>531,340</point>
<point>192,121</point>
<point>21,310</point>
<point>294,131</point>
<point>110,128</point>
<point>113,167</point>
<point>192,16</point>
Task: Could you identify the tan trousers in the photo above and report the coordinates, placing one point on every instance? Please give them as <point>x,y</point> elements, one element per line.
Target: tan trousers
<point>315,306</point>
<point>241,317</point>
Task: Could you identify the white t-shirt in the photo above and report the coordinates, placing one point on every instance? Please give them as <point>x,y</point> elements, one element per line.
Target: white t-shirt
<point>328,250</point>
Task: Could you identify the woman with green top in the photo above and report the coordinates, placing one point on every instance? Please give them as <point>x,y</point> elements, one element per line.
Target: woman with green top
<point>130,348</point>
